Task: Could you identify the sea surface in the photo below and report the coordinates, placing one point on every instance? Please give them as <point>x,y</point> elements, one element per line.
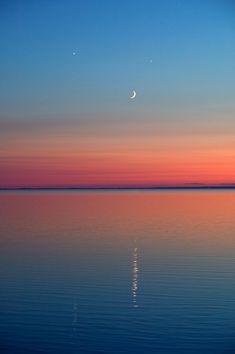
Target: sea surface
<point>117,272</point>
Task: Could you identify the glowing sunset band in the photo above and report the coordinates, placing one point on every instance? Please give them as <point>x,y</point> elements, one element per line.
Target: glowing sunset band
<point>118,161</point>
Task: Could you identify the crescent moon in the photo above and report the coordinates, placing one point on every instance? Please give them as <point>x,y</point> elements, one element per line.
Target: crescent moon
<point>133,96</point>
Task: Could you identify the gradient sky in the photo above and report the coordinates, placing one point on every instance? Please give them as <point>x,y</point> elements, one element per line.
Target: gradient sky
<point>67,120</point>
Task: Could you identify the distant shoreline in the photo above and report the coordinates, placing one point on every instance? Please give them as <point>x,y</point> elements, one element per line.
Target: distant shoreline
<point>199,187</point>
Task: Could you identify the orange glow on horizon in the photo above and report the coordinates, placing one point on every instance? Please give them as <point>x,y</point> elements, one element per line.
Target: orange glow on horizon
<point>118,161</point>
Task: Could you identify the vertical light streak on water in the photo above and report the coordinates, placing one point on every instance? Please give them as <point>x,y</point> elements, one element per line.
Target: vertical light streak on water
<point>135,271</point>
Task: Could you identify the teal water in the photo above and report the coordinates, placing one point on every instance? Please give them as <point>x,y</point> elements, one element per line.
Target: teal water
<point>117,272</point>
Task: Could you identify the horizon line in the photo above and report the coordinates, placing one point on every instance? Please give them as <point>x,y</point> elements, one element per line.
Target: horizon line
<point>173,187</point>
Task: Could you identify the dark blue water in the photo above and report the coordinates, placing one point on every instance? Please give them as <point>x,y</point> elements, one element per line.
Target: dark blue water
<point>117,272</point>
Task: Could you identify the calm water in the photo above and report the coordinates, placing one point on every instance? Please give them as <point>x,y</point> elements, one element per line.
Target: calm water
<point>117,272</point>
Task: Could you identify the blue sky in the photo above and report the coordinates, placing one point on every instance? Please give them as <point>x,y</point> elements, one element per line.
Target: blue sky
<point>68,69</point>
<point>178,55</point>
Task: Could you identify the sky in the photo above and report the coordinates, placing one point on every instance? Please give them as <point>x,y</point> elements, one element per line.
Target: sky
<point>69,68</point>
